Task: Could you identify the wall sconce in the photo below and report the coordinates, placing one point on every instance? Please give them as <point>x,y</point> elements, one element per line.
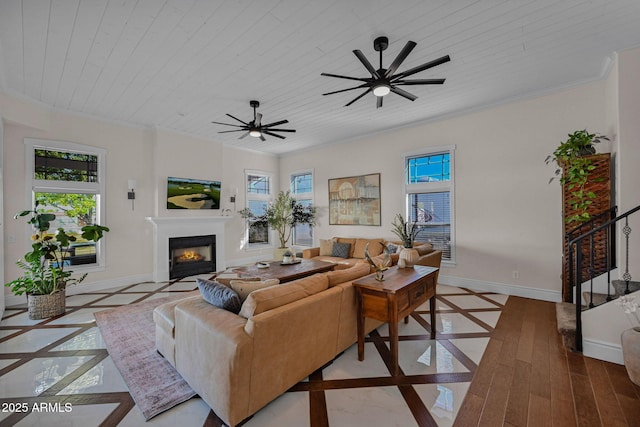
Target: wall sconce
<point>131,194</point>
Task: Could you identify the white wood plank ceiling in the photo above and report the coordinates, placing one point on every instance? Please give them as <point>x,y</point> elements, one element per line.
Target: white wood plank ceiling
<point>179,64</point>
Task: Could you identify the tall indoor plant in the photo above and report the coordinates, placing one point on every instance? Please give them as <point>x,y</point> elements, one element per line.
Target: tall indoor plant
<point>407,233</point>
<point>45,278</point>
<point>283,215</point>
<point>574,169</point>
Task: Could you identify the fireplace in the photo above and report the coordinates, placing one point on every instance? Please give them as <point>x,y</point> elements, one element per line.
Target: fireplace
<point>191,255</point>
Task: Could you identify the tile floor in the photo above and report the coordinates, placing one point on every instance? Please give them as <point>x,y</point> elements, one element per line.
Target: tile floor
<point>64,361</point>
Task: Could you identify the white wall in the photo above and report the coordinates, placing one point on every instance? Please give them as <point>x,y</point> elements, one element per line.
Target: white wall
<point>148,156</point>
<point>508,218</point>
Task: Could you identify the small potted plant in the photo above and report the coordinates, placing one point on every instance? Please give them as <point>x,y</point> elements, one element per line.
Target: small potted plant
<point>283,215</point>
<point>574,168</point>
<point>407,233</point>
<point>45,278</point>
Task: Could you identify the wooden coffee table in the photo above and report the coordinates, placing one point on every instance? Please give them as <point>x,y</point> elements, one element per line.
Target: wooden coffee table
<point>286,272</point>
<point>401,292</point>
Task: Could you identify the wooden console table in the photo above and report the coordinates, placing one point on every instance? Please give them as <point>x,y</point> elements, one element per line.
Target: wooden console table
<point>401,292</point>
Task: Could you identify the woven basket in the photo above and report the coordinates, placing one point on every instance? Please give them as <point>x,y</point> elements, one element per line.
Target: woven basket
<point>44,306</point>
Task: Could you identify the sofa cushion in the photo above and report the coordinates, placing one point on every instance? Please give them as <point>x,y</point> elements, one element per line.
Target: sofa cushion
<point>423,249</point>
<point>227,278</point>
<point>341,250</point>
<point>219,295</point>
<point>326,247</point>
<point>244,287</point>
<point>313,284</point>
<point>341,276</point>
<point>351,241</point>
<point>375,247</point>
<point>268,298</point>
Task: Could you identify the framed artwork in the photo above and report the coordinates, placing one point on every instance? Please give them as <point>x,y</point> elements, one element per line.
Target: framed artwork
<point>355,200</point>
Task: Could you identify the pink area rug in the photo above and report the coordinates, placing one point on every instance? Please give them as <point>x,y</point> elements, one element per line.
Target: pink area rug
<point>129,334</point>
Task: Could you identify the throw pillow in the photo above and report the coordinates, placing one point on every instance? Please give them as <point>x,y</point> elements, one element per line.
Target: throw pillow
<point>393,248</point>
<point>341,250</point>
<point>219,295</point>
<point>227,278</point>
<point>326,247</point>
<point>245,287</point>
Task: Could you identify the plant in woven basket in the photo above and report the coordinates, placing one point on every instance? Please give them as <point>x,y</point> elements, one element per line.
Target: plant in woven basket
<point>574,169</point>
<point>44,266</point>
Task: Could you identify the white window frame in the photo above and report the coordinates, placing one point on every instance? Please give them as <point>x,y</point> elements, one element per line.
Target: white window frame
<point>42,186</point>
<point>433,187</point>
<point>303,196</point>
<point>257,197</point>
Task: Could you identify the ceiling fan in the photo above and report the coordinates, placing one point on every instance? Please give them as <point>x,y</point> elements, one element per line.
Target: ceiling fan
<point>383,81</point>
<point>255,128</point>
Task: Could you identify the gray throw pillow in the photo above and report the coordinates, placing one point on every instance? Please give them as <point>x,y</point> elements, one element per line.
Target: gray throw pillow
<point>341,250</point>
<point>219,295</point>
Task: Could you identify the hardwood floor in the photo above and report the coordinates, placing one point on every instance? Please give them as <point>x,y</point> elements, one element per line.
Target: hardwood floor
<point>527,378</point>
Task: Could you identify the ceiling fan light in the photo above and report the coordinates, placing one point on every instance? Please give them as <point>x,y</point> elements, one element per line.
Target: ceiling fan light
<point>381,89</point>
<point>255,133</point>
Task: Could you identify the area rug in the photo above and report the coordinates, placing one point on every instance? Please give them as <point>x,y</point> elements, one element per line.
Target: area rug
<point>129,334</point>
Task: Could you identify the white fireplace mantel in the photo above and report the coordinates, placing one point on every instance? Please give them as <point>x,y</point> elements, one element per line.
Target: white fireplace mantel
<point>165,228</point>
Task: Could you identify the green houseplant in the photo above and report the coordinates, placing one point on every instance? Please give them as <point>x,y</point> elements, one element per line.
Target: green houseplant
<point>282,215</point>
<point>407,233</point>
<point>44,265</point>
<point>573,169</point>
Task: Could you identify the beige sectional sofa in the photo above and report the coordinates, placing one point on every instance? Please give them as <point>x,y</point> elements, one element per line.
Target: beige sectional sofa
<point>238,363</point>
<point>428,256</point>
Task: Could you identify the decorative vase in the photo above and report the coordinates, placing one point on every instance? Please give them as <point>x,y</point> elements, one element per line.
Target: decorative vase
<point>631,353</point>
<point>408,258</point>
<point>45,306</point>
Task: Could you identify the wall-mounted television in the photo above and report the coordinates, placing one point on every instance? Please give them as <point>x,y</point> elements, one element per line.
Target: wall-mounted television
<point>184,193</point>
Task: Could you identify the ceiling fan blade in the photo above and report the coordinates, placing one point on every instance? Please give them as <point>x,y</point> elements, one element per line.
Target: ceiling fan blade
<point>422,67</point>
<point>256,122</point>
<point>228,131</point>
<point>226,124</point>
<point>273,134</point>
<point>280,130</point>
<point>403,93</point>
<point>244,135</point>
<point>358,97</point>
<point>360,79</point>
<point>281,122</point>
<point>345,90</point>
<point>262,138</point>
<point>379,101</point>
<point>244,123</point>
<point>366,63</point>
<point>406,50</point>
<point>420,82</point>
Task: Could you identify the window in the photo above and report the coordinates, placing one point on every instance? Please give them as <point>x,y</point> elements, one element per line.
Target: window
<point>429,201</point>
<point>302,191</point>
<point>258,195</point>
<point>68,180</point>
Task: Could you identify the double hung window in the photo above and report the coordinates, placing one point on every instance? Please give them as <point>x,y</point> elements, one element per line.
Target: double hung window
<point>302,191</point>
<point>68,180</point>
<point>429,197</point>
<point>258,196</point>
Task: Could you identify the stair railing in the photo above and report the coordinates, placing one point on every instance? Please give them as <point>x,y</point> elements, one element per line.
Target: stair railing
<point>576,252</point>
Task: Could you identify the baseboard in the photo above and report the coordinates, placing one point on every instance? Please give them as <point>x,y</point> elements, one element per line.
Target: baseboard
<point>11,300</point>
<point>602,351</point>
<point>502,288</point>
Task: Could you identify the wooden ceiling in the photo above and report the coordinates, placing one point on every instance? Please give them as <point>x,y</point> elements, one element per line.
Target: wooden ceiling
<point>180,64</point>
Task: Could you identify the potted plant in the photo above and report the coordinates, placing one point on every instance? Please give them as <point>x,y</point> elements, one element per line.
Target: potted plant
<point>283,215</point>
<point>572,155</point>
<point>45,278</point>
<point>630,338</point>
<point>407,233</point>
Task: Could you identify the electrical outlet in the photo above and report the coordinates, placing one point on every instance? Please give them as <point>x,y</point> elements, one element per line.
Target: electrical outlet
<point>515,274</point>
